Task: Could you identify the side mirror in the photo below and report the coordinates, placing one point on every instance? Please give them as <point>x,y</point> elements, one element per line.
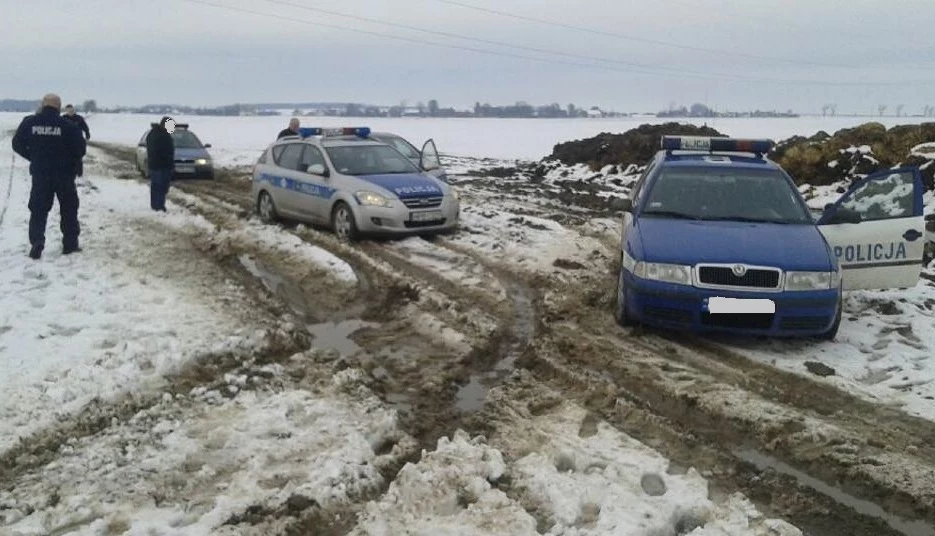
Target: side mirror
<point>624,204</point>
<point>930,217</point>
<point>141,144</point>
<point>845,215</point>
<point>828,206</point>
<point>207,146</point>
<point>317,169</point>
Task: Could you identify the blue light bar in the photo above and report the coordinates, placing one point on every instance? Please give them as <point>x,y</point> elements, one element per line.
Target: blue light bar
<point>361,132</point>
<point>708,144</point>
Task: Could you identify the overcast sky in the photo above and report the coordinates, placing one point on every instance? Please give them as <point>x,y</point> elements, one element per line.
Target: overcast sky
<point>635,55</point>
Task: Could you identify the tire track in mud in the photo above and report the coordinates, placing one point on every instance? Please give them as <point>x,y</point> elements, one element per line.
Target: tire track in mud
<point>658,389</point>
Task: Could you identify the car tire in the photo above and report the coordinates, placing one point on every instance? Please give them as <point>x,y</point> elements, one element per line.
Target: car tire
<point>343,223</point>
<point>266,208</point>
<point>833,331</point>
<point>620,306</point>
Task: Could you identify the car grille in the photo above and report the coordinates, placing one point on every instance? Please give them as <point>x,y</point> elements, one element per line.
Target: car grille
<point>738,320</point>
<point>723,276</point>
<point>423,202</point>
<point>184,161</point>
<point>804,322</point>
<point>418,224</point>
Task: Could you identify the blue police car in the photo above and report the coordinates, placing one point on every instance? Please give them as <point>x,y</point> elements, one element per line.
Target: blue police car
<point>716,237</point>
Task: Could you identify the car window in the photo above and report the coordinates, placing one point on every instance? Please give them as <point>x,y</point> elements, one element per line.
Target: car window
<point>641,181</point>
<point>883,199</point>
<point>184,139</point>
<point>263,158</point>
<point>277,153</point>
<point>312,156</point>
<point>291,156</point>
<point>369,160</point>
<point>721,193</point>
<point>401,145</point>
<point>143,139</point>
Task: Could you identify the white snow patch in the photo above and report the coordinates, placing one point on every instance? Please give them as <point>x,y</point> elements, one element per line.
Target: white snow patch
<point>203,464</point>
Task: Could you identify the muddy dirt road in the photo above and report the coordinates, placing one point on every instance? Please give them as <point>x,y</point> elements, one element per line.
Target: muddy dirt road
<point>493,333</point>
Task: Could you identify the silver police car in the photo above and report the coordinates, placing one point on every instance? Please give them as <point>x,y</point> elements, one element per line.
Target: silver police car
<point>355,185</point>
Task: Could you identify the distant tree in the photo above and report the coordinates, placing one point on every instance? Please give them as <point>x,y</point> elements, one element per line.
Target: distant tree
<point>700,110</point>
<point>899,110</point>
<point>421,107</point>
<point>824,109</point>
<point>433,107</point>
<point>296,112</point>
<point>834,109</point>
<point>89,106</point>
<point>572,111</point>
<point>881,109</point>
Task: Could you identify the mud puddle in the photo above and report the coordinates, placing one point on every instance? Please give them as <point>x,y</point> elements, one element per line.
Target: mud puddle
<point>278,285</point>
<point>903,526</point>
<point>471,396</point>
<point>337,335</point>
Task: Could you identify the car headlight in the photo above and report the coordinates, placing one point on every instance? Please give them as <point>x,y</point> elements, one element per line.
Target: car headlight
<point>812,280</point>
<point>668,273</point>
<point>372,199</point>
<point>201,161</point>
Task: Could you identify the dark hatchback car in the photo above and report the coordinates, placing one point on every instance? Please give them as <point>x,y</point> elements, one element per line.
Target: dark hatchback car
<point>192,160</point>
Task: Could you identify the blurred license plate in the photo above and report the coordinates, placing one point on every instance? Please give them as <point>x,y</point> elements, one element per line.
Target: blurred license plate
<point>717,304</point>
<point>184,169</point>
<point>425,216</point>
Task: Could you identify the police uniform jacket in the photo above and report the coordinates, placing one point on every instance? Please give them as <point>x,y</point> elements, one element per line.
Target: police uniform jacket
<point>53,145</point>
<point>78,121</point>
<point>160,148</point>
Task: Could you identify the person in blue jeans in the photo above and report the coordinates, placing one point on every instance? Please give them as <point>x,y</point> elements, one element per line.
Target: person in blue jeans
<point>160,159</point>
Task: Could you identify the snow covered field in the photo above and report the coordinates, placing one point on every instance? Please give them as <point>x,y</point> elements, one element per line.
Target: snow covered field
<point>238,140</point>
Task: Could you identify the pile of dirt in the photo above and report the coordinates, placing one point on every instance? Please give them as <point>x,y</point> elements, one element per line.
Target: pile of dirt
<point>824,159</point>
<point>635,146</point>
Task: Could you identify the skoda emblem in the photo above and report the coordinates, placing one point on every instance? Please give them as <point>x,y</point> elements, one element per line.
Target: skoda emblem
<point>738,270</point>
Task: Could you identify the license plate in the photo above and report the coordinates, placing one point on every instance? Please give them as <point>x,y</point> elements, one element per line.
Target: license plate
<point>425,216</point>
<point>718,304</point>
<point>184,169</point>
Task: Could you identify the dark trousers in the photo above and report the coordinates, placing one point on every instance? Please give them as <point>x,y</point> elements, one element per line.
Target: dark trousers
<point>44,191</point>
<point>80,171</point>
<point>159,180</point>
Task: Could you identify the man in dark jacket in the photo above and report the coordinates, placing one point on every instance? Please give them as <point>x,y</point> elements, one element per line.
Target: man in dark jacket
<point>53,147</point>
<point>79,122</point>
<point>293,129</point>
<point>160,159</point>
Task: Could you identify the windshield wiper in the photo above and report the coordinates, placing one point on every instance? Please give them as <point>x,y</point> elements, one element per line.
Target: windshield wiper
<point>671,214</point>
<point>748,220</point>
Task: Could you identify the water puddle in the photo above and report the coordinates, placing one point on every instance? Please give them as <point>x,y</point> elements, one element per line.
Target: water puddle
<point>337,335</point>
<point>288,291</point>
<point>867,508</point>
<point>472,395</point>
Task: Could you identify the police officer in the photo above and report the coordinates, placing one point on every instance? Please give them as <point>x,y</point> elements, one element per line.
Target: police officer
<point>291,130</point>
<point>53,147</point>
<point>160,159</point>
<point>78,121</point>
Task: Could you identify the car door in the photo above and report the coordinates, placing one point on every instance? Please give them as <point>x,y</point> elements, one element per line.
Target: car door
<point>430,162</point>
<point>314,189</point>
<point>876,230</point>
<point>288,179</point>
<point>141,153</point>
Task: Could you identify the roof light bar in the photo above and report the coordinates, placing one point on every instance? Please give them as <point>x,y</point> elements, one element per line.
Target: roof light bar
<point>709,144</point>
<point>361,132</point>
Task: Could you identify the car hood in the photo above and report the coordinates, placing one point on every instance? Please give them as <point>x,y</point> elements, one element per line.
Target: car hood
<point>790,247</point>
<point>191,153</point>
<point>406,185</point>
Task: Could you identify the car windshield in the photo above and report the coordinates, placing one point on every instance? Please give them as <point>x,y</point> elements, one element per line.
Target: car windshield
<point>185,140</point>
<point>400,145</point>
<point>369,160</point>
<point>726,194</point>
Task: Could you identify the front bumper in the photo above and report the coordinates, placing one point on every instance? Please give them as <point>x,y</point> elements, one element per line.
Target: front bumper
<point>683,307</point>
<point>191,171</point>
<point>398,220</point>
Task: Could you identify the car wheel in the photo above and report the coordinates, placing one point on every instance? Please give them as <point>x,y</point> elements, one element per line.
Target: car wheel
<point>620,308</point>
<point>266,208</point>
<point>833,332</point>
<point>342,222</point>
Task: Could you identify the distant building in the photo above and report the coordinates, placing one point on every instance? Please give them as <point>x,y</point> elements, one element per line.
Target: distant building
<point>595,112</point>
<point>411,112</point>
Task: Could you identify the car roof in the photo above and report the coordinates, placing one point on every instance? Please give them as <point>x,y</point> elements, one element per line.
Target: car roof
<point>717,159</point>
